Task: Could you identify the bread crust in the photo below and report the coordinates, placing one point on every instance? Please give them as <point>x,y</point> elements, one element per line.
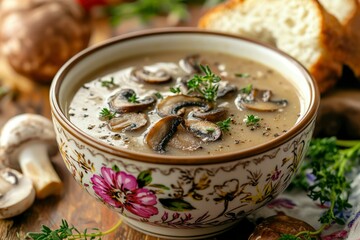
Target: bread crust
<point>327,68</point>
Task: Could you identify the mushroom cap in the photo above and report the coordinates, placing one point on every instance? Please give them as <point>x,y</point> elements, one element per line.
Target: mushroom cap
<point>22,130</point>
<point>38,36</point>
<point>19,198</point>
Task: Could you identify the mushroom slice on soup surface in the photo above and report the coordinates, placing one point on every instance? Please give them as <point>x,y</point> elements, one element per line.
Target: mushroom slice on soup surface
<point>173,105</point>
<point>213,115</point>
<point>191,64</point>
<point>259,100</point>
<point>162,131</point>
<point>125,100</point>
<point>128,121</point>
<point>225,89</point>
<point>207,131</point>
<point>154,77</point>
<point>184,140</point>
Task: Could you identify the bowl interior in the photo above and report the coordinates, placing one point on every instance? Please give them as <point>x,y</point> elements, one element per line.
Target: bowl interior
<point>86,63</point>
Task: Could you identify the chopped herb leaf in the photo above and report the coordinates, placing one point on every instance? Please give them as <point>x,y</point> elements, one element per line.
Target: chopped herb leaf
<point>242,75</point>
<point>251,120</point>
<point>133,98</point>
<point>107,114</point>
<point>175,90</point>
<point>224,125</point>
<point>158,95</point>
<point>247,89</point>
<point>108,83</point>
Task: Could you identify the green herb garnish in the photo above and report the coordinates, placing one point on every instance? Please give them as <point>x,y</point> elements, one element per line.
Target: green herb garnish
<point>224,125</point>
<point>207,85</point>
<point>242,75</point>
<point>107,114</point>
<point>108,83</point>
<point>69,232</point>
<point>251,120</point>
<point>175,90</point>
<point>133,98</point>
<point>158,95</point>
<point>247,89</point>
<point>329,160</point>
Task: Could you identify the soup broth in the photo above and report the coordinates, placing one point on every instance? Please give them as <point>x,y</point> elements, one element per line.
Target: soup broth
<point>150,104</point>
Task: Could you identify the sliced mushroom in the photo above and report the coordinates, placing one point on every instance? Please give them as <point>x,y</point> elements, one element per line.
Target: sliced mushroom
<point>161,132</point>
<point>184,140</point>
<point>119,102</point>
<point>214,115</point>
<point>259,100</point>
<point>16,193</point>
<point>175,104</point>
<point>153,77</point>
<point>207,131</point>
<point>190,64</point>
<point>128,122</point>
<point>225,89</point>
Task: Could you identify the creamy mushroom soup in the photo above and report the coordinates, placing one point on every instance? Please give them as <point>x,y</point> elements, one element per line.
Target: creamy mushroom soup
<point>186,104</point>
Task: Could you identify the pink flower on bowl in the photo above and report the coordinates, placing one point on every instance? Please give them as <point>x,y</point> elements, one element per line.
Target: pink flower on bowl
<point>120,190</point>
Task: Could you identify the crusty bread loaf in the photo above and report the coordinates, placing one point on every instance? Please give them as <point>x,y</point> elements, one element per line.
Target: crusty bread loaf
<point>348,14</point>
<point>302,28</point>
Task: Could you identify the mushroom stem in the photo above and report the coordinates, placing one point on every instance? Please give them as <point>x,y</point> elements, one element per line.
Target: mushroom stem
<point>35,163</point>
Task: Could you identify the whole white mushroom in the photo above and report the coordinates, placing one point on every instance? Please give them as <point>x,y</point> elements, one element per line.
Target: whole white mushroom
<point>27,140</point>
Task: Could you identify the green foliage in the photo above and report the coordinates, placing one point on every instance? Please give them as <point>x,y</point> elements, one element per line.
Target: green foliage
<point>224,125</point>
<point>329,160</point>
<point>106,114</point>
<point>251,120</point>
<point>207,85</point>
<point>108,83</point>
<point>145,10</point>
<point>247,89</point>
<point>63,232</point>
<point>175,90</point>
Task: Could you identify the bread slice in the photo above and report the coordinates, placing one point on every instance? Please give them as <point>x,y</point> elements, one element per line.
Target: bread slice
<point>348,14</point>
<point>301,28</point>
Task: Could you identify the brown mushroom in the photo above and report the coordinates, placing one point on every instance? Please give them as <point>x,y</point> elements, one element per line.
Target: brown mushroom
<point>161,132</point>
<point>339,115</point>
<point>175,104</point>
<point>205,130</point>
<point>225,89</point>
<point>125,100</point>
<point>184,140</point>
<point>27,141</point>
<point>16,193</point>
<point>259,100</point>
<point>273,227</point>
<point>38,36</point>
<point>128,122</point>
<point>191,64</point>
<point>152,77</point>
<point>213,115</point>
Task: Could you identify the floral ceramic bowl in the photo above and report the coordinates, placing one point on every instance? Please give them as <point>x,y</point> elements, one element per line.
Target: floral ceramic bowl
<point>178,197</point>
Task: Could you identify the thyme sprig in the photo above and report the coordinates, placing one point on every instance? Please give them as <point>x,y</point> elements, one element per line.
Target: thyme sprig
<point>133,98</point>
<point>330,161</point>
<point>224,125</point>
<point>106,114</point>
<point>65,231</point>
<point>108,83</point>
<point>207,85</point>
<point>251,120</point>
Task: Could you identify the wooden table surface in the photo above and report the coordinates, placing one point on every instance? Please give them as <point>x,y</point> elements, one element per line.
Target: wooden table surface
<point>74,204</point>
